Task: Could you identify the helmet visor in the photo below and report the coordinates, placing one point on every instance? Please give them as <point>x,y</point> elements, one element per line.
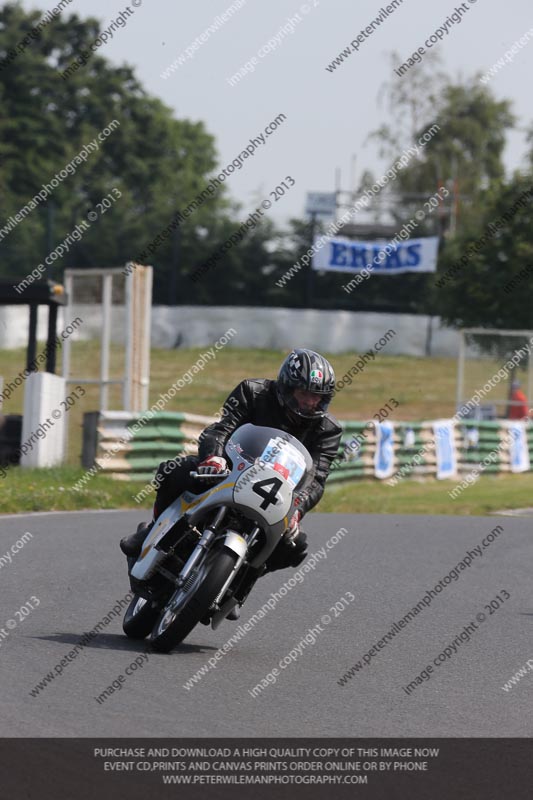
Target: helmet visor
<point>306,404</point>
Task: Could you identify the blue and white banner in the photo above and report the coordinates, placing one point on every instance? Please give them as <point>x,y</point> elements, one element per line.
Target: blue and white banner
<point>444,433</point>
<point>384,456</point>
<point>518,447</point>
<point>378,258</point>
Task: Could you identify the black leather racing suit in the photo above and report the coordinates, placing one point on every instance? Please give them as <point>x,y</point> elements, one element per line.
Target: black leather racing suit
<point>256,401</point>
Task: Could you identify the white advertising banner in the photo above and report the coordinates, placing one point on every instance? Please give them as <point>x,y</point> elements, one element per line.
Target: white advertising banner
<point>339,254</point>
<point>518,447</point>
<point>384,456</point>
<point>444,432</point>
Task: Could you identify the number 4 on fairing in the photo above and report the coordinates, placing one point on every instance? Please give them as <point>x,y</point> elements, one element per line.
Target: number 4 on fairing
<point>265,491</point>
<point>269,498</point>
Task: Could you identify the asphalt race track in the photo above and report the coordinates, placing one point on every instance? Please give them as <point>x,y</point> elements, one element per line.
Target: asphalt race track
<point>73,566</point>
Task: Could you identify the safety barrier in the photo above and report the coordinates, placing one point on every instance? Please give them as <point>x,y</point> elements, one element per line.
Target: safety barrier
<point>131,446</point>
<point>414,450</point>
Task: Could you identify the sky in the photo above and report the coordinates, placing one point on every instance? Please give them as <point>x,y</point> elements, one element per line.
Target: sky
<point>329,115</point>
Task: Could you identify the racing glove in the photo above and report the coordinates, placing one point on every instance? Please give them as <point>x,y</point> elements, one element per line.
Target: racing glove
<point>211,466</point>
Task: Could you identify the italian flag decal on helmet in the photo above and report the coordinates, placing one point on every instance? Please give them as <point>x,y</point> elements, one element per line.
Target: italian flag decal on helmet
<point>305,371</point>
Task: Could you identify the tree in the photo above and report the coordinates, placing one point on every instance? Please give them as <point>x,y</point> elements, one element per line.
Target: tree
<point>488,277</point>
<point>465,155</point>
<point>158,164</point>
<point>239,275</point>
<point>410,102</point>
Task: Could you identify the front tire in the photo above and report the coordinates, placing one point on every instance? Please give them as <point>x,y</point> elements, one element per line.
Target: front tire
<point>139,618</point>
<point>175,624</point>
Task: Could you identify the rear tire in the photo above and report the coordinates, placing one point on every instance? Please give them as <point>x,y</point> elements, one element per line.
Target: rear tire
<point>172,627</point>
<point>139,618</point>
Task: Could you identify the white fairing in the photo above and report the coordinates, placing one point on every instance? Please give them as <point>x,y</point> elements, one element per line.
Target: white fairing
<point>151,558</point>
<point>268,465</point>
<point>266,491</point>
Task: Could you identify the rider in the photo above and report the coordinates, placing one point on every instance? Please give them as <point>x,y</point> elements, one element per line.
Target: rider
<point>297,402</point>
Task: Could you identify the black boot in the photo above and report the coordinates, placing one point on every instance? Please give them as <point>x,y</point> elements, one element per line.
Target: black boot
<point>132,545</point>
<point>288,554</point>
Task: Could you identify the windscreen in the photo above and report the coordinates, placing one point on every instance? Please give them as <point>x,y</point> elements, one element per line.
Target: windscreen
<point>287,455</point>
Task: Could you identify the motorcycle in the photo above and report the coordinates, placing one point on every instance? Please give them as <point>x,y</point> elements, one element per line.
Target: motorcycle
<point>208,548</point>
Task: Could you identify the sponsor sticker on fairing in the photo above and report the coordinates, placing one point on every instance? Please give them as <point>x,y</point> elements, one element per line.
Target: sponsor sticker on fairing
<point>281,453</point>
<point>282,470</point>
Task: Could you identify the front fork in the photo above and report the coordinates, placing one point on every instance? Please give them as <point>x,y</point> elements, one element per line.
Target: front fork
<point>232,541</point>
<point>205,540</point>
<point>240,546</point>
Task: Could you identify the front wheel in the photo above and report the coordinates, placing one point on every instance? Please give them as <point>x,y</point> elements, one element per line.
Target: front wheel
<point>188,606</point>
<point>139,618</point>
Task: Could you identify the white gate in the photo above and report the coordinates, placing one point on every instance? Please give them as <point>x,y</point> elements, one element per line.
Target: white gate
<point>131,289</point>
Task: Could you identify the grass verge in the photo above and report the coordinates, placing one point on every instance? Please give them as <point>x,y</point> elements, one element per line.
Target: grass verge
<point>24,490</point>
<point>423,387</point>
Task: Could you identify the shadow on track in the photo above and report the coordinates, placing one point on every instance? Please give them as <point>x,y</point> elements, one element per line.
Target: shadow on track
<point>115,641</point>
